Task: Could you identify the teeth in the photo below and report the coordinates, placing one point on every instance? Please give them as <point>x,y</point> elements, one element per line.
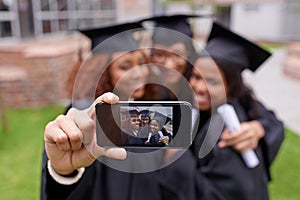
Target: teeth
<point>201,98</point>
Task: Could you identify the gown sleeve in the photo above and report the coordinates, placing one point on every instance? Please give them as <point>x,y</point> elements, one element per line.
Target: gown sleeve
<point>274,134</point>
<point>50,189</point>
<point>184,179</point>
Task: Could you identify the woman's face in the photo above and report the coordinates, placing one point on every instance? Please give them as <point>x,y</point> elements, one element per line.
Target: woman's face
<point>129,74</point>
<point>134,123</point>
<point>173,60</point>
<point>208,84</point>
<point>145,121</point>
<point>154,126</point>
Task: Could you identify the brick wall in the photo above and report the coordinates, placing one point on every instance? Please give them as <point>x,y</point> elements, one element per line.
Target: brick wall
<point>47,64</point>
<point>292,60</point>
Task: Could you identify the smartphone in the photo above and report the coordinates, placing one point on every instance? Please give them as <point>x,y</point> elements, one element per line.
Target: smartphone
<point>144,124</point>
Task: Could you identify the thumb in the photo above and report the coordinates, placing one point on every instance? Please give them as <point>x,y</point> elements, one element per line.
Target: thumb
<point>108,97</point>
<point>115,153</point>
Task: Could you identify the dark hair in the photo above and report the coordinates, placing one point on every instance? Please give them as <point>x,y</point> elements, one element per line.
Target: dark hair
<point>82,78</point>
<point>237,88</point>
<point>191,58</point>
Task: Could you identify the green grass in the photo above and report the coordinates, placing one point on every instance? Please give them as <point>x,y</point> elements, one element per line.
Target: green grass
<point>271,46</point>
<point>285,170</point>
<point>21,148</point>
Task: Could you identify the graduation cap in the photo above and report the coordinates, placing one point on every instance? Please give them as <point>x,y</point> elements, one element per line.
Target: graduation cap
<point>172,28</point>
<point>115,38</point>
<point>134,112</point>
<point>144,113</point>
<point>225,46</point>
<point>162,119</point>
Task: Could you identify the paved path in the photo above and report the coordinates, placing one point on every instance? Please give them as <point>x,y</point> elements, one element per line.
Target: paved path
<point>278,91</point>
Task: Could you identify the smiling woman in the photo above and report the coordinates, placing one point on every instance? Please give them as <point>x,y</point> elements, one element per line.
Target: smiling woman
<point>116,64</point>
<point>217,80</point>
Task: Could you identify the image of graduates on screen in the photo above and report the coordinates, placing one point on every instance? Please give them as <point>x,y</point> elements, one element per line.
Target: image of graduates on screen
<point>142,126</point>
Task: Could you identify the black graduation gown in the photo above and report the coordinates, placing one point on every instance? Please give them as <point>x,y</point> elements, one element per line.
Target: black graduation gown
<point>231,179</point>
<point>99,181</point>
<point>127,138</point>
<point>154,140</point>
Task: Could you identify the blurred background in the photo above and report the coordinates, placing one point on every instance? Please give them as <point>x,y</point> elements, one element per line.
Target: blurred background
<point>38,50</point>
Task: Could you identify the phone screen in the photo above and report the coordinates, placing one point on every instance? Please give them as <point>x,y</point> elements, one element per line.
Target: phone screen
<point>144,124</point>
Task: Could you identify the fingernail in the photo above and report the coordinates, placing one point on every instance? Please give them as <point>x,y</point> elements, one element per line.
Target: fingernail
<point>112,96</point>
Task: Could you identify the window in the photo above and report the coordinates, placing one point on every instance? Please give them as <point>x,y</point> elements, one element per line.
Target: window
<point>60,15</point>
<point>9,19</point>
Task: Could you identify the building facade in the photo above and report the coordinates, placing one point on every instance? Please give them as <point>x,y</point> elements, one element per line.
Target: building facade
<point>34,18</point>
<point>261,20</point>
<point>46,62</point>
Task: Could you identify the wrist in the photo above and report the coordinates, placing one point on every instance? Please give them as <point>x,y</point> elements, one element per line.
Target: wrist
<point>65,179</point>
<point>64,172</point>
<point>259,129</point>
<point>74,173</point>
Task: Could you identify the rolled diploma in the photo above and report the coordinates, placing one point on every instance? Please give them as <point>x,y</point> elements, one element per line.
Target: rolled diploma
<point>232,122</point>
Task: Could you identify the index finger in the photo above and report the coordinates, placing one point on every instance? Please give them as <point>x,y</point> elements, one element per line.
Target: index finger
<point>108,97</point>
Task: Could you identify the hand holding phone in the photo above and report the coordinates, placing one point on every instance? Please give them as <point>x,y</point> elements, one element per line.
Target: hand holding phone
<point>164,139</point>
<point>70,137</point>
